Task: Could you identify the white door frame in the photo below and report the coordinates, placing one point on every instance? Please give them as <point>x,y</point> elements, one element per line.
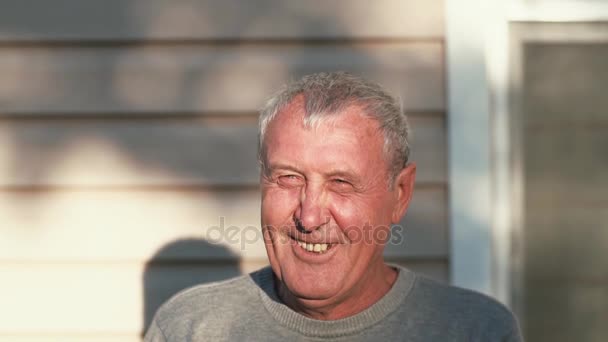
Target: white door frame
<point>481,175</point>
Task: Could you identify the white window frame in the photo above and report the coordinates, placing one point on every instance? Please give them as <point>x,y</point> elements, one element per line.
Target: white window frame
<point>483,215</point>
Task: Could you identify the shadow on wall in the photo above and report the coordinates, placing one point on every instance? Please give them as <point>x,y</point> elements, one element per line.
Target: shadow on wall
<point>112,104</point>
<point>144,106</point>
<point>182,264</point>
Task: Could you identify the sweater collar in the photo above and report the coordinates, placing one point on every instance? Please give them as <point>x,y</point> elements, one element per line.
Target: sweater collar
<point>341,327</point>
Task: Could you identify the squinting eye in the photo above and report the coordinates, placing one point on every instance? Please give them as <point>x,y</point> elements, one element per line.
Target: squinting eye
<point>290,180</point>
<point>341,184</point>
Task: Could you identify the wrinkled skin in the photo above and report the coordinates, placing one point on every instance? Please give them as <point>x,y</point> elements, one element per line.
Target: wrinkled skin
<point>329,184</point>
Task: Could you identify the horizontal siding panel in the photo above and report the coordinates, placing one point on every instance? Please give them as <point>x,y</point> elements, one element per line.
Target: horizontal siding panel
<point>125,296</point>
<point>227,19</point>
<point>128,226</point>
<point>127,153</point>
<point>159,152</point>
<point>429,149</point>
<point>170,226</point>
<point>91,298</point>
<point>202,78</point>
<point>425,227</point>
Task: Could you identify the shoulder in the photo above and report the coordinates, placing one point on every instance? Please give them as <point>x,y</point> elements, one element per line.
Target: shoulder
<point>465,311</point>
<point>206,302</point>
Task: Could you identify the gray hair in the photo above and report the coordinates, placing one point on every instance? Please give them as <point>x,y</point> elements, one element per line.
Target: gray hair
<point>327,94</point>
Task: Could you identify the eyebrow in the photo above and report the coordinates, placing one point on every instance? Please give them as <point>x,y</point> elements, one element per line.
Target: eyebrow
<point>279,166</point>
<point>342,173</point>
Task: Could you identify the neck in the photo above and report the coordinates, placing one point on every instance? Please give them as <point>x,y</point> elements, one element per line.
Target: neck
<point>359,298</point>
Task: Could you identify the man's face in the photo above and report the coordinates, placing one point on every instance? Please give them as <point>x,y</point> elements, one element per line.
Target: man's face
<point>327,186</point>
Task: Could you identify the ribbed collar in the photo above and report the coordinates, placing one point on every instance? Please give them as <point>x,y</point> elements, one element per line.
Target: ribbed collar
<point>342,327</point>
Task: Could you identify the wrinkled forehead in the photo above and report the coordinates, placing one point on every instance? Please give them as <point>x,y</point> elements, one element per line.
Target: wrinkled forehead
<point>347,137</point>
<point>350,116</point>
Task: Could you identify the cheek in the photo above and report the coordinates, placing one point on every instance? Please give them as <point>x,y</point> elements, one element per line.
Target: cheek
<point>350,216</point>
<point>351,211</point>
<point>359,220</point>
<point>278,205</point>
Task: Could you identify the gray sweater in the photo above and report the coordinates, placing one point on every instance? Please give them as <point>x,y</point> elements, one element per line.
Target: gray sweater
<point>247,308</point>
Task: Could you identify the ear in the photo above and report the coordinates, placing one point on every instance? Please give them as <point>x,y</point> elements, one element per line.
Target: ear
<point>404,189</point>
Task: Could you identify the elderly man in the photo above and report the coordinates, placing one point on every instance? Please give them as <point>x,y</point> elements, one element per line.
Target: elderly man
<point>333,150</point>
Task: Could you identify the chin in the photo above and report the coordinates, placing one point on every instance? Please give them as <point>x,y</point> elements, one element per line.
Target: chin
<point>312,291</point>
<point>318,283</point>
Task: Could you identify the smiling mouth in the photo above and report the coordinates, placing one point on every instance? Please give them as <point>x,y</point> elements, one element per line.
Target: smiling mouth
<point>318,248</point>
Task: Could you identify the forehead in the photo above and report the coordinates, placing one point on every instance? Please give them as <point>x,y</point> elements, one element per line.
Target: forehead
<point>347,139</point>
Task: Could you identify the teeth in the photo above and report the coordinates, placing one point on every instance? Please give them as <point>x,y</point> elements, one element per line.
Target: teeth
<point>316,247</point>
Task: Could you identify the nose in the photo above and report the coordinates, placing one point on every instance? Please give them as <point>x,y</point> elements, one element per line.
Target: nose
<point>312,213</point>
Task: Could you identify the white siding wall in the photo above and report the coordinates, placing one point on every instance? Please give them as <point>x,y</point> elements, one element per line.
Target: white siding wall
<point>127,130</point>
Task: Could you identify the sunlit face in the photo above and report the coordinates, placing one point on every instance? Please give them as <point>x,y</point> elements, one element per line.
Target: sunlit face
<point>328,186</point>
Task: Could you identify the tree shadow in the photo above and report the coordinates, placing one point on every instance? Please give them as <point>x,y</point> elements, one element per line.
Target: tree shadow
<point>125,93</point>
